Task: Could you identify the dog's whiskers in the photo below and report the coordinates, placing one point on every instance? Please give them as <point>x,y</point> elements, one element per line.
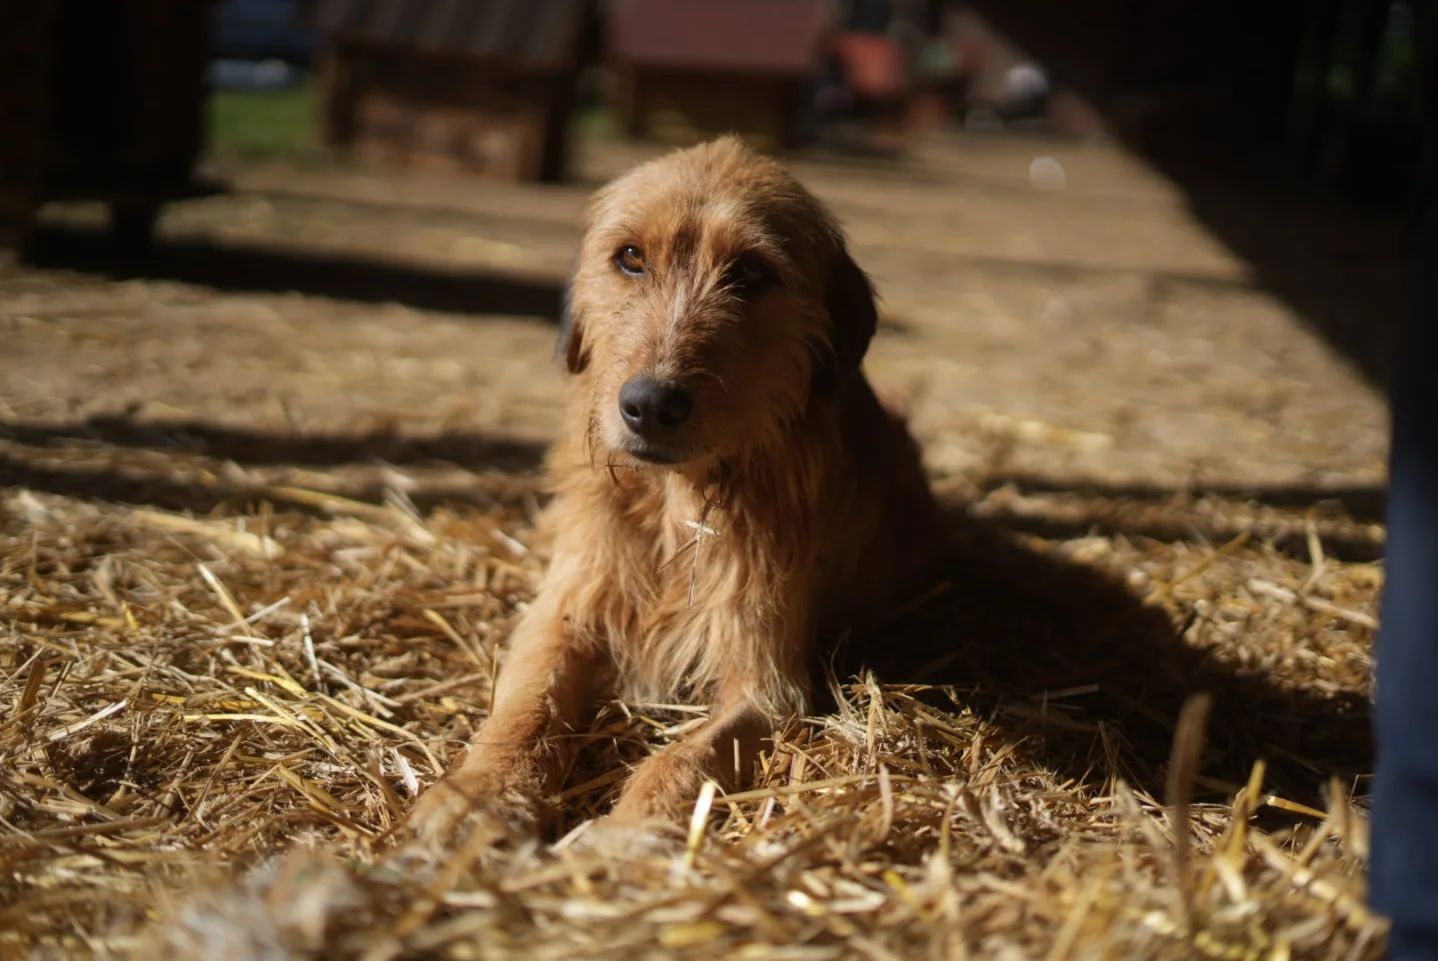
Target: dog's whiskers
<point>613,468</point>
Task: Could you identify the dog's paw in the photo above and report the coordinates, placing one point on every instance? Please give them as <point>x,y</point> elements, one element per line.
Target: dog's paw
<point>608,839</point>
<point>457,808</point>
<point>664,787</point>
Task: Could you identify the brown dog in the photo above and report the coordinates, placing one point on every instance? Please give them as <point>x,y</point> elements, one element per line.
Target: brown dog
<point>728,491</point>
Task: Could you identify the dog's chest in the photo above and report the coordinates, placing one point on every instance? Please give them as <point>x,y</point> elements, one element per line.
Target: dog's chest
<point>688,549</point>
<point>694,592</point>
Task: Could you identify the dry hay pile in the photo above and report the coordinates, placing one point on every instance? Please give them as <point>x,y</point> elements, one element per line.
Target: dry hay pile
<point>211,727</point>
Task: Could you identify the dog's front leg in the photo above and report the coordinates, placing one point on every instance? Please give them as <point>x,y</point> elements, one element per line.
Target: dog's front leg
<point>723,749</point>
<point>519,752</point>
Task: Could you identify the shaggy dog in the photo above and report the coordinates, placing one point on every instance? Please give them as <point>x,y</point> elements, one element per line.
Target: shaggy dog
<point>729,494</point>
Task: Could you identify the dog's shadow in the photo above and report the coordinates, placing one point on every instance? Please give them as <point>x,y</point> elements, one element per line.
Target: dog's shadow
<point>1015,626</point>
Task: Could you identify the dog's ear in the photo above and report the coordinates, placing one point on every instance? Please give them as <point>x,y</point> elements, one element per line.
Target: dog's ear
<point>569,347</point>
<point>853,317</point>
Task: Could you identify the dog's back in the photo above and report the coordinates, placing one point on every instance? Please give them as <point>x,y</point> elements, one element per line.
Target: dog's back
<point>893,534</point>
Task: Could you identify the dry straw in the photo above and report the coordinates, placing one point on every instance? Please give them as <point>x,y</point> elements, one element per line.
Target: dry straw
<point>211,728</point>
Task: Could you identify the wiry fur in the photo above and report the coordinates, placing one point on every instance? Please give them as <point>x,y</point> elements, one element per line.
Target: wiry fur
<point>798,507</point>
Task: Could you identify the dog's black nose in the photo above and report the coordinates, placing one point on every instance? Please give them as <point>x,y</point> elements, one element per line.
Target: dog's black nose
<point>652,407</point>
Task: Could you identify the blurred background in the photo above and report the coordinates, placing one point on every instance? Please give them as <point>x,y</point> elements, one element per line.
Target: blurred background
<point>1117,240</point>
<point>1320,91</point>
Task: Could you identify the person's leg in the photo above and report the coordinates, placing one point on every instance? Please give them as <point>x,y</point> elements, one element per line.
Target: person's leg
<point>1404,869</point>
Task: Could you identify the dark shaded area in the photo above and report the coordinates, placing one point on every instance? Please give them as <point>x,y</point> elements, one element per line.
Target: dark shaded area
<point>139,485</point>
<point>268,269</point>
<point>1274,120</point>
<point>258,30</point>
<point>1016,624</point>
<point>1342,517</point>
<point>96,763</point>
<point>1359,503</point>
<point>428,213</point>
<point>1336,266</point>
<point>309,450</point>
<point>120,485</point>
<point>125,95</point>
<point>1113,520</point>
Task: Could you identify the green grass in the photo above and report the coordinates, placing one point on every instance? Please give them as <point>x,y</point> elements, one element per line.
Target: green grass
<point>593,122</point>
<point>265,125</point>
<point>284,125</point>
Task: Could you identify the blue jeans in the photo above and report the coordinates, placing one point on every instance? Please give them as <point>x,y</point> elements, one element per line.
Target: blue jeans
<point>1403,875</point>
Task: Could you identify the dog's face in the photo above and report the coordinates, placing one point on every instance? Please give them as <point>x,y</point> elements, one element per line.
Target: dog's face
<point>712,302</point>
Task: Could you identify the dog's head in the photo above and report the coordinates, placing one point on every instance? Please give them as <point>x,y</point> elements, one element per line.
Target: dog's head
<point>713,301</point>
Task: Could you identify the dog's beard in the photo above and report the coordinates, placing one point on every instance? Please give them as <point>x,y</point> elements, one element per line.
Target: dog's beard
<point>702,466</point>
<point>657,460</point>
<point>615,457</point>
<point>616,447</point>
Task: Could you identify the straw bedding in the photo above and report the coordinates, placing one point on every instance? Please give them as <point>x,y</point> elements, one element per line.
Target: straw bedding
<point>214,724</point>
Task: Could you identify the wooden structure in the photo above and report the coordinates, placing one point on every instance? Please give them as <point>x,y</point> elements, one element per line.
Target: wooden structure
<point>99,101</point>
<point>458,84</point>
<point>686,69</point>
<point>876,75</point>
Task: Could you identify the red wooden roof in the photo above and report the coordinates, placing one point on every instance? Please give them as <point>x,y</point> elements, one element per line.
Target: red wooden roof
<point>537,33</point>
<point>772,37</point>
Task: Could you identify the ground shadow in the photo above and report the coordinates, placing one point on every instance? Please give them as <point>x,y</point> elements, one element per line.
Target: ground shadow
<point>115,486</point>
<point>469,450</point>
<point>1366,503</point>
<point>1337,266</point>
<point>1343,516</point>
<point>226,498</point>
<point>1016,625</point>
<point>268,269</point>
<point>126,483</point>
<point>563,225</point>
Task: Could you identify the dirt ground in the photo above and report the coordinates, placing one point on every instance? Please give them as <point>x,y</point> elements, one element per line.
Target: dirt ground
<point>326,394</point>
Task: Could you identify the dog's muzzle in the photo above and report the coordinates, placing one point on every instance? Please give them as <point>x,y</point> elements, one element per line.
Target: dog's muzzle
<point>654,411</point>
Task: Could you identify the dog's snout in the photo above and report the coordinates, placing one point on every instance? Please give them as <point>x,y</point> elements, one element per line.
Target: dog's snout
<point>653,407</point>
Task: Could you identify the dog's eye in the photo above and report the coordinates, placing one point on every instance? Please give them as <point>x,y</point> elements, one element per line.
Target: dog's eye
<point>747,276</point>
<point>630,259</point>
